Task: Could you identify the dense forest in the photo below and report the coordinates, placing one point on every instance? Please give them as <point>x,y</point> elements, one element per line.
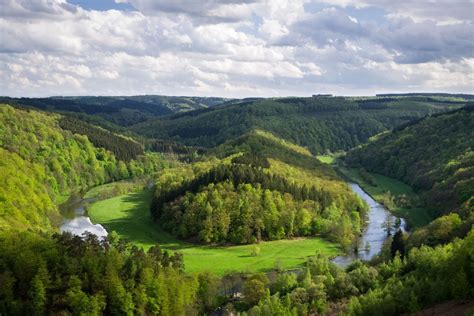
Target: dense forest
<point>84,276</point>
<point>321,124</point>
<point>434,155</point>
<point>68,274</point>
<point>40,161</point>
<point>122,111</point>
<point>234,172</point>
<point>123,148</point>
<point>248,198</point>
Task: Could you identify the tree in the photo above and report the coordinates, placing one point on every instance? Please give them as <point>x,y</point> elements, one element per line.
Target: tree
<point>254,288</point>
<point>208,291</point>
<point>398,244</point>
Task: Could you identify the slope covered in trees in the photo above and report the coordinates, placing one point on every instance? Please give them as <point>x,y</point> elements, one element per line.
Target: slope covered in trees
<point>123,148</point>
<point>40,160</point>
<point>122,111</point>
<point>321,124</point>
<point>254,186</point>
<point>249,197</point>
<point>434,155</point>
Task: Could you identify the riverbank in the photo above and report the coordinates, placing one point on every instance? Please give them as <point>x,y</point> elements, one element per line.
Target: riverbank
<point>385,190</point>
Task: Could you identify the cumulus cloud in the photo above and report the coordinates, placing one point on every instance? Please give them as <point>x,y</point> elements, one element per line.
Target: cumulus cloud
<point>234,48</point>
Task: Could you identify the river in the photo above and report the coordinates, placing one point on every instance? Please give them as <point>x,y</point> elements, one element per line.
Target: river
<point>77,222</point>
<point>75,216</point>
<point>374,234</point>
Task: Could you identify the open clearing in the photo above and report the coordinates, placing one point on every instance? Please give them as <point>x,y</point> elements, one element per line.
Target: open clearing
<point>130,217</point>
<point>416,217</point>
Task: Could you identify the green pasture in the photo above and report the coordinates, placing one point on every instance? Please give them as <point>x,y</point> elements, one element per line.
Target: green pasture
<point>130,217</point>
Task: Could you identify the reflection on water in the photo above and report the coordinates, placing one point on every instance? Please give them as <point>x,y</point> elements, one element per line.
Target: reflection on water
<point>76,220</point>
<point>374,234</point>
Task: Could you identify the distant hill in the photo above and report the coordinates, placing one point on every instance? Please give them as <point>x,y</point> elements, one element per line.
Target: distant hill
<point>429,94</point>
<point>320,124</point>
<point>122,111</point>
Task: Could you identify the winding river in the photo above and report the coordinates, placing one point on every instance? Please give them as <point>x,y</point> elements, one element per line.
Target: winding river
<point>77,222</point>
<point>374,234</point>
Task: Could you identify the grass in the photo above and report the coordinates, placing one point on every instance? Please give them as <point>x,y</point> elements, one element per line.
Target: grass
<point>416,217</point>
<point>118,187</point>
<point>129,216</point>
<point>328,159</point>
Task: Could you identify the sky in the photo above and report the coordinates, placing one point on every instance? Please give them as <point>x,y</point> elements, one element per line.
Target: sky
<point>235,48</point>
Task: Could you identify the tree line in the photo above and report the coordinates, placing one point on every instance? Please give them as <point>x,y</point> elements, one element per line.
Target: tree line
<point>66,274</point>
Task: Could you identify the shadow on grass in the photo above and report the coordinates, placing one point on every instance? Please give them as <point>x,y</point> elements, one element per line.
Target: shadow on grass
<point>135,223</point>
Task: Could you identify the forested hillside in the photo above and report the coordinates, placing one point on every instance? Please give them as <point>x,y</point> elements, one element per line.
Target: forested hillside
<point>272,190</point>
<point>122,111</point>
<point>252,184</point>
<point>123,148</point>
<point>435,156</point>
<point>319,123</point>
<point>40,160</point>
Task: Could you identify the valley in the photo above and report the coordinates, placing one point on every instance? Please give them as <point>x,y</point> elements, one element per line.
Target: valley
<point>236,158</point>
<point>266,195</point>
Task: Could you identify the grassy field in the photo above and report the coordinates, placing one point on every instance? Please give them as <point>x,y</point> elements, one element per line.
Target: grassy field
<point>329,158</point>
<point>416,217</point>
<point>118,187</point>
<point>129,216</point>
<point>326,159</point>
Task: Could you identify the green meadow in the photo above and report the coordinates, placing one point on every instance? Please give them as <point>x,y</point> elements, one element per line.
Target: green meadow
<point>416,217</point>
<point>130,217</point>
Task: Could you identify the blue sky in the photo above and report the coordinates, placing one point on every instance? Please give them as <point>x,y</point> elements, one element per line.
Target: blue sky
<point>235,48</point>
<point>102,5</point>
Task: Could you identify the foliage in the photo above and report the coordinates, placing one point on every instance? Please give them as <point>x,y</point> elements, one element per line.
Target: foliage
<point>321,124</point>
<point>70,275</point>
<point>123,148</point>
<point>130,217</point>
<point>247,214</point>
<point>123,111</point>
<point>43,160</point>
<point>434,156</point>
<point>425,277</point>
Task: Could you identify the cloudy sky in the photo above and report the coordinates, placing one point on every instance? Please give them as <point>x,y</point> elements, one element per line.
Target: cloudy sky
<point>235,48</point>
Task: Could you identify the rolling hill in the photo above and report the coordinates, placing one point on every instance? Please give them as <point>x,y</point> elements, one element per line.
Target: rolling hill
<point>41,161</point>
<point>434,155</point>
<point>321,124</point>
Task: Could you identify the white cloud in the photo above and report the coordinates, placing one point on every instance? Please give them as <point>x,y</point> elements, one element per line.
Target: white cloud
<point>232,48</point>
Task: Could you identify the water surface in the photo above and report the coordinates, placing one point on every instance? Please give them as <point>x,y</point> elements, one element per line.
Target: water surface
<point>75,216</point>
<point>374,233</point>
